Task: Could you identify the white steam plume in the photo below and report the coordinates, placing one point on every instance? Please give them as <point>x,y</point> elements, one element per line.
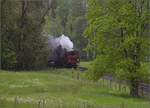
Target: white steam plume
<point>63,40</point>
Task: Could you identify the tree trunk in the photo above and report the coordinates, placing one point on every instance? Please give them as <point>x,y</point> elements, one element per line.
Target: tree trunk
<point>20,62</point>
<point>134,88</point>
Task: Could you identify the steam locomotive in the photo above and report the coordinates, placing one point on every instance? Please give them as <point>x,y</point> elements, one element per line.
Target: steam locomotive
<point>63,58</point>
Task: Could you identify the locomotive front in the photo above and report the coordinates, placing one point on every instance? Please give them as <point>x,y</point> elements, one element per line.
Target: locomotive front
<point>63,54</point>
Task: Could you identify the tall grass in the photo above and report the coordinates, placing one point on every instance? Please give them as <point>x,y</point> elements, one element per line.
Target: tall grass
<point>59,103</point>
<point>57,89</point>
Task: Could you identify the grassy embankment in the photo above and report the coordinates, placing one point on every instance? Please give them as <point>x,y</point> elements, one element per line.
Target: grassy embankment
<point>57,89</point>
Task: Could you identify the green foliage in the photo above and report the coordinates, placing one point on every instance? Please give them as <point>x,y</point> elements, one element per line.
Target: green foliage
<point>101,66</point>
<point>8,59</point>
<point>70,20</point>
<point>78,26</point>
<point>59,17</point>
<point>118,29</point>
<point>23,43</point>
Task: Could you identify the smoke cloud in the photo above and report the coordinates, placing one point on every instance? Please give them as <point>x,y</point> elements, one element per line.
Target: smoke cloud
<point>63,40</point>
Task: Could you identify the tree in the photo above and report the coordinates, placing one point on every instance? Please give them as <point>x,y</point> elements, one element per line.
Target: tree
<point>59,17</point>
<point>8,28</point>
<point>23,43</point>
<point>68,17</point>
<point>117,31</point>
<point>76,25</point>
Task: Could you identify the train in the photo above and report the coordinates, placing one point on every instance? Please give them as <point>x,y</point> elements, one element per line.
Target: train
<point>61,57</point>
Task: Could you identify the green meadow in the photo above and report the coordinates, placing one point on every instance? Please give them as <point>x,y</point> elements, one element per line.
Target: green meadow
<point>59,88</point>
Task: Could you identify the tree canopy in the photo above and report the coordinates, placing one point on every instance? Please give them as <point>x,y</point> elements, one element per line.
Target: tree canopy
<point>118,32</point>
<point>23,43</point>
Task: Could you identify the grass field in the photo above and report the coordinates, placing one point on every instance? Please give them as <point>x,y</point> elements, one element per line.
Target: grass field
<point>57,89</point>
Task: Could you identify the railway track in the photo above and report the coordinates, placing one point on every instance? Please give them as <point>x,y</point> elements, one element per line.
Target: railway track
<point>82,68</point>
